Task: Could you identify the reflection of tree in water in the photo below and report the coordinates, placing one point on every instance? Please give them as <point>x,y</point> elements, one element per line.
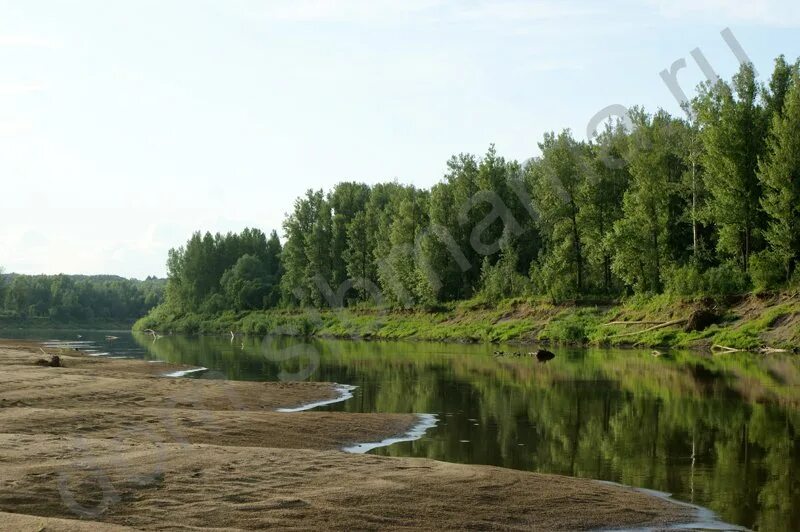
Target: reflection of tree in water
<point>719,432</point>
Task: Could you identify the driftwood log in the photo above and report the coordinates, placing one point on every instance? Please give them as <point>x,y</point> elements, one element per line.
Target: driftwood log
<point>698,320</point>
<point>764,350</point>
<point>653,328</point>
<point>634,323</point>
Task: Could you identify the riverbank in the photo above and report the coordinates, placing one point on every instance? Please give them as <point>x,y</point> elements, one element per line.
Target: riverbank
<point>746,322</point>
<point>113,442</point>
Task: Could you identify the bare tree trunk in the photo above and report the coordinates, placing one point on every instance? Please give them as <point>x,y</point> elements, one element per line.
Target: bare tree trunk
<point>694,208</point>
<point>577,246</point>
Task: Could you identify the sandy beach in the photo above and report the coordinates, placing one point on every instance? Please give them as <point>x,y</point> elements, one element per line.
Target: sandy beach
<point>106,444</point>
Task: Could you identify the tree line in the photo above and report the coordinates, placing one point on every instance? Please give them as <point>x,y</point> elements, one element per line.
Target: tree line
<point>706,203</point>
<point>75,298</point>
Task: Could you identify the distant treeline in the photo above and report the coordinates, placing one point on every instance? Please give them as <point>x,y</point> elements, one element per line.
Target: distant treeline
<point>77,298</point>
<point>707,204</point>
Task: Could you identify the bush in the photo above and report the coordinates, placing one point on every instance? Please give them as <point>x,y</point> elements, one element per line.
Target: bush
<point>553,280</point>
<point>794,282</point>
<point>683,280</point>
<point>501,281</point>
<point>572,326</point>
<point>722,280</point>
<point>726,279</point>
<point>214,304</point>
<point>767,270</point>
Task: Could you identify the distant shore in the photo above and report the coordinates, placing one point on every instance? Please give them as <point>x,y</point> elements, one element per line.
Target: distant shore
<point>112,442</point>
<point>28,324</point>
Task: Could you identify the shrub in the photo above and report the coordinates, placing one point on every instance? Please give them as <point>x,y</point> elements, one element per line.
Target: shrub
<point>553,280</point>
<point>767,270</point>
<point>726,279</point>
<point>683,280</point>
<point>572,326</point>
<point>687,280</point>
<point>501,281</point>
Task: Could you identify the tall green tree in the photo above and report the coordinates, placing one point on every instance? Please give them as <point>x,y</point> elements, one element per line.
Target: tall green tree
<point>604,191</point>
<point>733,128</point>
<point>195,270</point>
<point>649,237</point>
<point>779,172</point>
<point>779,85</point>
<point>347,200</point>
<point>359,256</point>
<point>247,285</point>
<point>296,286</point>
<point>559,186</point>
<point>452,223</point>
<point>319,267</point>
<point>401,278</point>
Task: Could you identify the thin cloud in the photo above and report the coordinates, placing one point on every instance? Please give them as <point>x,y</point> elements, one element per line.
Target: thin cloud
<point>11,128</point>
<point>389,10</point>
<point>342,10</point>
<point>528,11</point>
<point>774,13</point>
<point>551,65</point>
<point>25,41</point>
<point>17,88</point>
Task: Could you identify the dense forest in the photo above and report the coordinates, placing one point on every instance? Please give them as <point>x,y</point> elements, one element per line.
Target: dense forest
<point>703,204</point>
<point>77,298</point>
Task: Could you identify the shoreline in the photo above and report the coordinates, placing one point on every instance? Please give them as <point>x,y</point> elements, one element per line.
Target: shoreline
<point>746,322</point>
<point>705,519</point>
<point>184,372</point>
<point>345,392</point>
<point>225,457</point>
<point>416,432</point>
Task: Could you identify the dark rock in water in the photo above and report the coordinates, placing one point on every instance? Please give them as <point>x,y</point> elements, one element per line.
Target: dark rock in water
<point>543,355</point>
<point>700,320</point>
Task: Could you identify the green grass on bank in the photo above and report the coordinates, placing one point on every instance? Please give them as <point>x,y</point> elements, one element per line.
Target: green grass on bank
<point>746,322</point>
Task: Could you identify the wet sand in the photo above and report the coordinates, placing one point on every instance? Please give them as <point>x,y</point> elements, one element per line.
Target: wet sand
<point>111,442</point>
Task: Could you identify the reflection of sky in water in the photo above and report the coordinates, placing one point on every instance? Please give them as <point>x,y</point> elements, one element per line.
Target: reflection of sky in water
<point>715,431</point>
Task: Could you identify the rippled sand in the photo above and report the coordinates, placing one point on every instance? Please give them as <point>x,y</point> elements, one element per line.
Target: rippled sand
<point>111,442</point>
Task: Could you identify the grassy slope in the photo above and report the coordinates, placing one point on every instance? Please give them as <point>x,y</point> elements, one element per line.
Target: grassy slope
<point>745,322</point>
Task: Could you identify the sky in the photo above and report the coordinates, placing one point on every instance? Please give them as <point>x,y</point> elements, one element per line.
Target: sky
<point>126,126</point>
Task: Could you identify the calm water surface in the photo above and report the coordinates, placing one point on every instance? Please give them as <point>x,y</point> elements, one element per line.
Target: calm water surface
<point>719,432</point>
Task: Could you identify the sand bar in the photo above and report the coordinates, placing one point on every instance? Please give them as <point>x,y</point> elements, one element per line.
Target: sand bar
<point>107,443</point>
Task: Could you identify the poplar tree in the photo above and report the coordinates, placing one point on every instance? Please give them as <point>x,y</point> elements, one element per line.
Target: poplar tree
<point>648,236</point>
<point>559,187</point>
<point>732,129</point>
<point>604,191</point>
<point>779,173</point>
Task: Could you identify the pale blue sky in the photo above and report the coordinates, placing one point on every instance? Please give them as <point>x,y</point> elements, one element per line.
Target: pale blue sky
<point>124,126</point>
